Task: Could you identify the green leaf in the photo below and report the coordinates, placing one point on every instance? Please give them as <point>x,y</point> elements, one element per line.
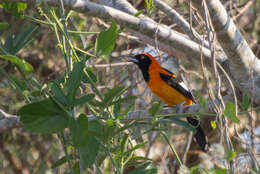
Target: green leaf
<point>213,124</point>
<point>15,8</point>
<point>60,161</point>
<point>139,13</point>
<point>149,4</point>
<point>150,7</point>
<point>156,108</point>
<point>94,128</point>
<point>127,110</point>
<point>183,124</point>
<point>3,25</point>
<point>96,103</point>
<point>253,171</point>
<point>124,143</point>
<point>135,147</point>
<point>79,130</point>
<point>74,80</point>
<point>44,117</point>
<point>89,152</point>
<point>123,100</point>
<point>84,99</point>
<point>21,64</point>
<point>35,93</point>
<point>245,102</point>
<point>220,170</point>
<point>230,112</point>
<point>121,129</point>
<point>112,94</point>
<point>117,110</point>
<point>121,29</point>
<point>205,170</point>
<point>202,101</point>
<point>109,128</point>
<point>76,168</point>
<point>195,169</point>
<point>106,40</point>
<point>19,85</point>
<point>14,43</point>
<point>231,155</point>
<point>89,76</point>
<point>136,160</point>
<point>58,93</point>
<point>146,168</point>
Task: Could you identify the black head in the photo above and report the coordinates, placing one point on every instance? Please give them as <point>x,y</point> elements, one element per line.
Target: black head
<point>143,60</point>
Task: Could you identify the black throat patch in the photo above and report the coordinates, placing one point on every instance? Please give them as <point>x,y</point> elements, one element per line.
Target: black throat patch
<point>145,70</point>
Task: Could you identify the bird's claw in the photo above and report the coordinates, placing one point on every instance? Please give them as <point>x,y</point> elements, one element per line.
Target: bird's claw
<point>180,107</point>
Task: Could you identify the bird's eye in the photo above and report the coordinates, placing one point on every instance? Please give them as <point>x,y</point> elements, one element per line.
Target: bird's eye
<point>142,57</point>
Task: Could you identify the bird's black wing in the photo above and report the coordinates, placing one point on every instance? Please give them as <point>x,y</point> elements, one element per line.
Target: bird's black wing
<point>177,84</point>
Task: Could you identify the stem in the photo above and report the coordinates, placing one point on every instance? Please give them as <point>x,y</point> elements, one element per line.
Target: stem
<point>98,169</point>
<point>107,150</point>
<point>67,58</point>
<point>172,148</point>
<point>64,33</point>
<point>12,82</point>
<point>63,142</point>
<point>37,20</point>
<point>3,50</point>
<point>82,32</point>
<point>63,21</point>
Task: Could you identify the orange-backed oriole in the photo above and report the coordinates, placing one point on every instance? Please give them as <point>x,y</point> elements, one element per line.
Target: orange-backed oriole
<point>168,88</point>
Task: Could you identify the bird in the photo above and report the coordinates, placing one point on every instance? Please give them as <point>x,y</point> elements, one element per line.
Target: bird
<point>169,88</point>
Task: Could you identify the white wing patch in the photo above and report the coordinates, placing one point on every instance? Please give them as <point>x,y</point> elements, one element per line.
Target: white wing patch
<point>184,86</point>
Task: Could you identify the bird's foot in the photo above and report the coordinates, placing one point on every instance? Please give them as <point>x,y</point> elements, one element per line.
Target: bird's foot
<point>180,108</point>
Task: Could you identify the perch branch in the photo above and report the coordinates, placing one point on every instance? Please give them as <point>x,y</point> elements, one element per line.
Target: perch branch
<point>8,121</point>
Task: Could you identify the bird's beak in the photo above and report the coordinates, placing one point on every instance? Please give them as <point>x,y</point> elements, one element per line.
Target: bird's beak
<point>132,58</point>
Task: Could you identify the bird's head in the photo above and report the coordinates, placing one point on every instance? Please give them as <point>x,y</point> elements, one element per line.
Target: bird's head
<point>142,60</point>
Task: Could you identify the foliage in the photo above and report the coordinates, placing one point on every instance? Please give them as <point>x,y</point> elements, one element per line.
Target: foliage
<point>15,9</point>
<point>53,109</point>
<point>89,121</point>
<point>230,112</point>
<point>106,40</point>
<point>44,116</point>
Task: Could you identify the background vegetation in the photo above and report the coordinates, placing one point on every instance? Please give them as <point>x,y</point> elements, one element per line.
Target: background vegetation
<point>75,105</point>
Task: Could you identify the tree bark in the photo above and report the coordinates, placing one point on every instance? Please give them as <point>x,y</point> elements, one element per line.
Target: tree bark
<point>244,65</point>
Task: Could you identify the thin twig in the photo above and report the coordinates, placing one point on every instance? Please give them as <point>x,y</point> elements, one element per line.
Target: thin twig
<point>69,69</point>
<point>187,147</point>
<point>64,146</point>
<point>244,9</point>
<point>172,147</point>
<point>179,20</point>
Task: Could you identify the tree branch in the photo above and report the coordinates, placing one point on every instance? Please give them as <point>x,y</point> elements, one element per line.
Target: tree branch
<point>125,6</point>
<point>244,65</point>
<point>122,5</point>
<point>8,121</point>
<point>180,21</point>
<point>182,46</point>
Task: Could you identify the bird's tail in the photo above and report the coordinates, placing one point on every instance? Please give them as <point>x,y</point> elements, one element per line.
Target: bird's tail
<point>199,135</point>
